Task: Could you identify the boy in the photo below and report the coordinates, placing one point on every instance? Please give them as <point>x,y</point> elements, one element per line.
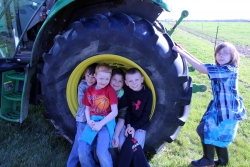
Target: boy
<point>100,122</point>
<point>140,106</point>
<point>88,80</point>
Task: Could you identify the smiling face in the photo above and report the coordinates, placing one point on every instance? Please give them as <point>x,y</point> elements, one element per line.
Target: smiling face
<point>90,79</point>
<point>223,56</point>
<point>134,81</point>
<point>117,82</point>
<point>102,79</point>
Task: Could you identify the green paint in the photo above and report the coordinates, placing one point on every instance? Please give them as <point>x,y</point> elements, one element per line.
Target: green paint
<point>184,14</point>
<point>163,4</point>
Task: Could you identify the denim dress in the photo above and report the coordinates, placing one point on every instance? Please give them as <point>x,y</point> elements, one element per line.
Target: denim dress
<point>226,108</point>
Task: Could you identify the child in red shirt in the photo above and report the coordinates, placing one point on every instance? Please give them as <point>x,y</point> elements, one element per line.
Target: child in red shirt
<point>100,123</point>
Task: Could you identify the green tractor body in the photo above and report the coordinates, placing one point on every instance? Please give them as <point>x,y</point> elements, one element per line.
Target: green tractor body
<point>45,47</point>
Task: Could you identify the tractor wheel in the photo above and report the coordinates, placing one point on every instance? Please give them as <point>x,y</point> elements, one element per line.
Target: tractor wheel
<point>122,41</point>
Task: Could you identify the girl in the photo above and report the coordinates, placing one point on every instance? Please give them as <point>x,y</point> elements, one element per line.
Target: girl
<point>219,124</point>
<point>117,82</point>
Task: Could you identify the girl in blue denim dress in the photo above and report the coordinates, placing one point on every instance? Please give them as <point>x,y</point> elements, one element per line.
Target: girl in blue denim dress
<point>219,124</point>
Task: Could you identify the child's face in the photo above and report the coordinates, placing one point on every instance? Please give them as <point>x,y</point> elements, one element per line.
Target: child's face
<point>223,56</point>
<point>90,79</point>
<point>102,79</point>
<point>116,82</point>
<point>134,81</point>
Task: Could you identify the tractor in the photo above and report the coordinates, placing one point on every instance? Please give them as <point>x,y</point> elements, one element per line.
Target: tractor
<point>46,45</point>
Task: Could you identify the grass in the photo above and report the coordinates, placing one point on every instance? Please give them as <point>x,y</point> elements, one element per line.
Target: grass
<point>235,32</point>
<point>34,143</point>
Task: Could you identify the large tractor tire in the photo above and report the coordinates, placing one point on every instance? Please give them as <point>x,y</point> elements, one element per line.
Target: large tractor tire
<point>122,41</point>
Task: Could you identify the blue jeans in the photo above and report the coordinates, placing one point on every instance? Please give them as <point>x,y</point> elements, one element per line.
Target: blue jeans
<point>140,136</point>
<point>103,143</point>
<point>74,155</point>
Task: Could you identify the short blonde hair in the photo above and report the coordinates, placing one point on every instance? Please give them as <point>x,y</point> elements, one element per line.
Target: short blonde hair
<point>233,52</point>
<point>103,67</point>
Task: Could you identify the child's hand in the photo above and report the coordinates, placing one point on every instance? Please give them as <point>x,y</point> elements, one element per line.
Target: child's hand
<point>126,131</point>
<point>115,141</point>
<point>97,126</point>
<point>91,123</point>
<point>130,130</point>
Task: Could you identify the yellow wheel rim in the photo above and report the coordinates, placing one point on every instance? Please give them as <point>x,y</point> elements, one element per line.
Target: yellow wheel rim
<point>114,61</point>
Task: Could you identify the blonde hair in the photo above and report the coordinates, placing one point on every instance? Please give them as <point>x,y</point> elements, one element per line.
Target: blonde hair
<point>103,67</point>
<point>233,52</point>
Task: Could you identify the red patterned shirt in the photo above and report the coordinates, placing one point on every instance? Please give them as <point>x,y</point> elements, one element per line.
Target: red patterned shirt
<point>92,93</point>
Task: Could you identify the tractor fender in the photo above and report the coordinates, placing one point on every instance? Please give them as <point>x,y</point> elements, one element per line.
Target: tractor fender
<point>65,12</point>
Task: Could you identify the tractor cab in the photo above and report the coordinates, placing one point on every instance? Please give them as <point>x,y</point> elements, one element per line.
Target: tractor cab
<point>20,21</point>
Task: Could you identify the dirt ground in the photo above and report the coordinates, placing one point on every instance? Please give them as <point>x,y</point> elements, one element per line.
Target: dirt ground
<point>244,51</point>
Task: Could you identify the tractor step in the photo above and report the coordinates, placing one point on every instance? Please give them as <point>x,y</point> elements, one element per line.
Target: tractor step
<point>13,116</point>
<point>16,76</point>
<point>15,96</point>
<point>13,100</point>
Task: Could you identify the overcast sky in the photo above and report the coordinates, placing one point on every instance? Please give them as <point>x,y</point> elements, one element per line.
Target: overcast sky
<point>209,9</point>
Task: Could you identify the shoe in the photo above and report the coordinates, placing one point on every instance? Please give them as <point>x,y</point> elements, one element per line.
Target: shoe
<point>223,157</point>
<point>208,157</point>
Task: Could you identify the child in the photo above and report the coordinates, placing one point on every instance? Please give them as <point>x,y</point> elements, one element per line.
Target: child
<point>88,80</point>
<point>100,122</point>
<point>117,82</point>
<point>219,124</point>
<point>140,106</point>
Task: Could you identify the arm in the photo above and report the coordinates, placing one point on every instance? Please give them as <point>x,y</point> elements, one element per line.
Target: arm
<point>144,119</point>
<point>118,130</point>
<point>197,64</point>
<point>87,109</point>
<point>90,122</point>
<point>121,121</point>
<point>129,129</point>
<point>109,117</point>
<point>128,114</point>
<point>127,117</point>
<point>81,92</point>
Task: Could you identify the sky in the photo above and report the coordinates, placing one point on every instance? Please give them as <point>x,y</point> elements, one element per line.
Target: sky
<point>209,9</point>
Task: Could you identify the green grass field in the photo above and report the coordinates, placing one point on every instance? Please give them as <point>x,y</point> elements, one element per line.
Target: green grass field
<point>235,32</point>
<point>34,144</point>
